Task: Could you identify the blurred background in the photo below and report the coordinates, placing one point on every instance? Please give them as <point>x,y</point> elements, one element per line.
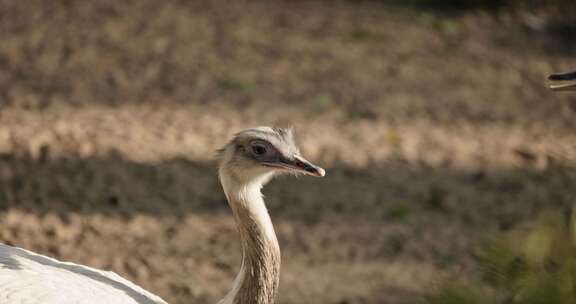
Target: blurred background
<point>432,118</point>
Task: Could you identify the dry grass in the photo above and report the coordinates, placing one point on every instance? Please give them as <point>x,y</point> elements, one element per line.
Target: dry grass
<point>435,131</point>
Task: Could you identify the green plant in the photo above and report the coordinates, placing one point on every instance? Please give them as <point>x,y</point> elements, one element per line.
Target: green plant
<point>398,213</point>
<point>235,84</point>
<point>531,266</point>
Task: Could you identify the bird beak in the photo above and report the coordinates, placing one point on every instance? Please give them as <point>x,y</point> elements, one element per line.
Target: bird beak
<point>570,76</point>
<point>298,164</point>
<point>302,165</point>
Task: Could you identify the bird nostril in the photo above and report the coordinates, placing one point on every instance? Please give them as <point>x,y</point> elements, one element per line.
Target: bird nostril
<point>300,164</point>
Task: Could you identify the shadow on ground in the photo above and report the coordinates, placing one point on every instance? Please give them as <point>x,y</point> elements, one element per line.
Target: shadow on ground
<point>392,190</point>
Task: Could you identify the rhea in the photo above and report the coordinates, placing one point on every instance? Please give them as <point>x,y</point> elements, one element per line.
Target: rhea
<point>246,164</point>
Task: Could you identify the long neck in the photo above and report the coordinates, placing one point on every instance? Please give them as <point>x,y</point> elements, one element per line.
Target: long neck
<point>257,281</point>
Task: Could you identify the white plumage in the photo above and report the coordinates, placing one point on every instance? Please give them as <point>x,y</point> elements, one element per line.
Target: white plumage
<point>30,278</point>
<point>252,158</point>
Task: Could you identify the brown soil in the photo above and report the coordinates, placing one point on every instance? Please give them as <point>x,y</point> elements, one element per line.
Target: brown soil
<point>435,131</point>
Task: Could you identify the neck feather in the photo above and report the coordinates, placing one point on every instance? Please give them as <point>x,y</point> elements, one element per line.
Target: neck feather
<point>257,281</point>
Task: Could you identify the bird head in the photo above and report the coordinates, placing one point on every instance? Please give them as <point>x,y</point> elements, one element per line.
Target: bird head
<point>570,76</point>
<point>263,152</point>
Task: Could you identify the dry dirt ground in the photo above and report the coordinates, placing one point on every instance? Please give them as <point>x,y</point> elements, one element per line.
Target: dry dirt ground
<point>436,131</point>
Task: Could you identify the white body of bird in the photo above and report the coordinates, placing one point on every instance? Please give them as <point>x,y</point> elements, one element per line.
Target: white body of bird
<point>30,278</point>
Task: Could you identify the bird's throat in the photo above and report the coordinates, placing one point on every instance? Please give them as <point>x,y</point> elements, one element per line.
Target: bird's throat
<point>257,282</point>
<point>260,260</point>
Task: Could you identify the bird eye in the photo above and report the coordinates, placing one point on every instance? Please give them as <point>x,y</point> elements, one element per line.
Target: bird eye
<point>258,149</point>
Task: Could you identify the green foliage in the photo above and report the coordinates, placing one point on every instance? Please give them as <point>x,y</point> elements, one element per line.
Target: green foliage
<point>321,102</point>
<point>398,213</point>
<point>235,84</point>
<point>361,34</point>
<point>533,266</point>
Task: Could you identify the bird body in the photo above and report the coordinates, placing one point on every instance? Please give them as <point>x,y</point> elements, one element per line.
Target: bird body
<point>246,164</point>
<point>30,278</point>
